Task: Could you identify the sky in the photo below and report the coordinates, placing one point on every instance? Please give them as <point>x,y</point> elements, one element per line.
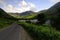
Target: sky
<point>18,6</point>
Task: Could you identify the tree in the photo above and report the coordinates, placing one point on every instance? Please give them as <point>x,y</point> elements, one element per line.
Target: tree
<point>55,21</point>
<point>41,18</point>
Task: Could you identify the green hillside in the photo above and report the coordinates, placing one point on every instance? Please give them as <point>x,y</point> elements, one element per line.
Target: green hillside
<point>24,15</point>
<point>3,14</point>
<point>54,15</point>
<point>5,19</point>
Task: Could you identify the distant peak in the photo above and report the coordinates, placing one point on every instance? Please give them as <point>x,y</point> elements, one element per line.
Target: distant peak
<point>0,8</point>
<point>57,3</point>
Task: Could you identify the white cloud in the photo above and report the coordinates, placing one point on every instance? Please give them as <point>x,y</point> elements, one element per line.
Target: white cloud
<point>11,8</point>
<point>2,2</point>
<point>55,1</point>
<point>23,6</point>
<point>32,6</point>
<point>27,6</point>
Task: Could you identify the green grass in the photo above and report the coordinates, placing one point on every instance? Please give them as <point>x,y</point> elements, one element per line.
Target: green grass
<point>15,16</point>
<point>26,16</point>
<point>5,22</point>
<point>30,16</point>
<point>42,32</point>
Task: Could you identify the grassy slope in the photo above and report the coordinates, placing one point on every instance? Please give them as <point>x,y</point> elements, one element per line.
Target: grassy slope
<point>26,16</point>
<point>5,19</point>
<point>16,16</point>
<point>30,16</point>
<point>5,22</point>
<point>41,32</point>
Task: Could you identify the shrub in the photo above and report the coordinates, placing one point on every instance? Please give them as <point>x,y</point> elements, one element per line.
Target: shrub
<point>41,32</point>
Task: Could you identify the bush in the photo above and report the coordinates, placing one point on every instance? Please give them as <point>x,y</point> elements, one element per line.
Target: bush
<point>41,32</point>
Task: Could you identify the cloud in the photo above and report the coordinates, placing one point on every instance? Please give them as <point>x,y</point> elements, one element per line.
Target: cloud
<point>12,9</point>
<point>32,6</point>
<point>55,1</point>
<point>23,6</point>
<point>9,8</point>
<point>27,6</point>
<point>2,2</point>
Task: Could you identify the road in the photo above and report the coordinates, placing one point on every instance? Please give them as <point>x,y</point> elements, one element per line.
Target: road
<point>14,32</point>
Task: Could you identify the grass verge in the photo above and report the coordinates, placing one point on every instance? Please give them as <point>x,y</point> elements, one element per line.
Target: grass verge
<point>42,32</point>
<point>5,22</point>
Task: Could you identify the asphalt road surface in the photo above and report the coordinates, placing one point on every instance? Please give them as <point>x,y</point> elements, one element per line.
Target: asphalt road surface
<point>14,32</point>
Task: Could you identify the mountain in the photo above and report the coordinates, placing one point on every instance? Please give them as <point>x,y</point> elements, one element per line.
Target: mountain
<point>3,14</point>
<point>23,13</point>
<point>53,9</point>
<point>42,11</point>
<point>54,15</point>
<point>26,13</point>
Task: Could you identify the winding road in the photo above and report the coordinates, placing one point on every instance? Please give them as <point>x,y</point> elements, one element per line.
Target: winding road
<point>14,32</point>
